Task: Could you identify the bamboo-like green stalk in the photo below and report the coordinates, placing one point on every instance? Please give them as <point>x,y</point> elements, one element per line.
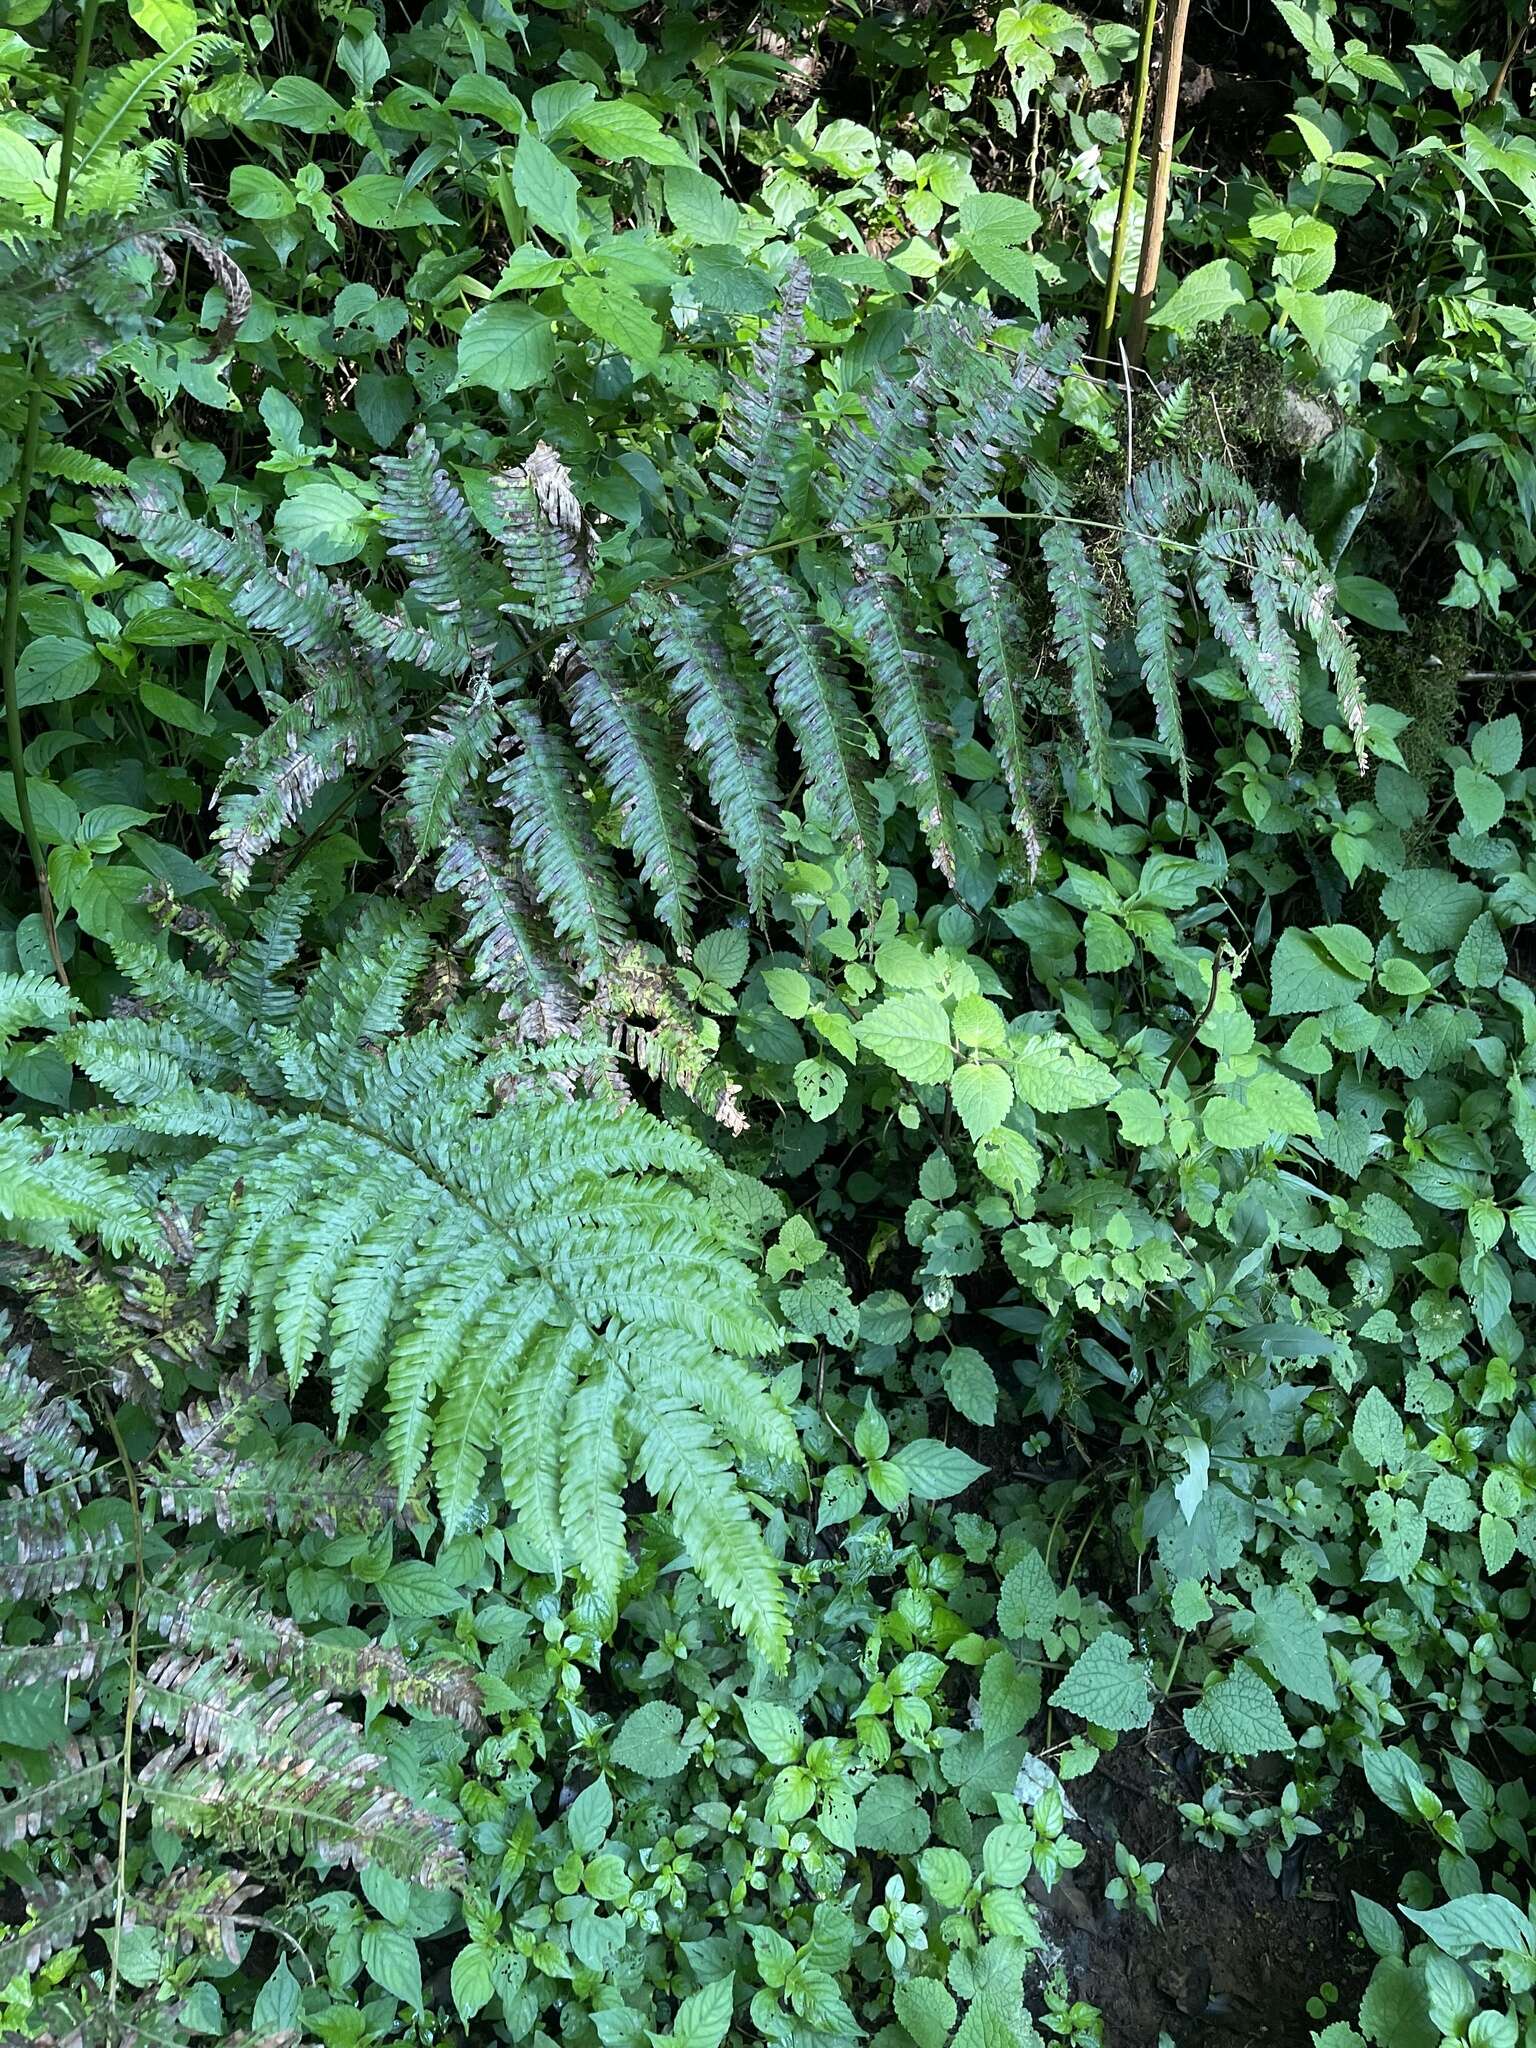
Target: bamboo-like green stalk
<point>1126,204</point>
<point>26,469</point>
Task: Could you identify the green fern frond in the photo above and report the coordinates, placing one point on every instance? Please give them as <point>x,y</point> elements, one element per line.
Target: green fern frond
<point>41,1430</point>
<point>625,743</point>
<point>478,1248</point>
<point>728,725</point>
<point>1158,504</point>
<point>689,1477</point>
<point>74,466</point>
<point>760,430</point>
<point>1079,630</point>
<point>900,675</point>
<point>816,703</point>
<point>441,762</point>
<point>997,640</point>
<point>120,102</point>
<point>548,825</point>
<point>1000,412</point>
<point>429,529</point>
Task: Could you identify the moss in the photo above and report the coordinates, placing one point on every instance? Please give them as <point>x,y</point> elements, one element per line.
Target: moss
<point>1420,673</point>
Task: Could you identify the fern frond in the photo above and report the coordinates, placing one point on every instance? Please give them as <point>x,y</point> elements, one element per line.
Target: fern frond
<point>290,1804</point>
<point>1000,414</point>
<point>900,676</point>
<point>591,1498</point>
<point>90,1768</point>
<point>429,529</point>
<point>491,1377</point>
<point>470,1231</point>
<point>513,955</point>
<point>1157,505</point>
<point>1079,631</point>
<point>547,812</point>
<point>74,466</point>
<point>296,603</point>
<point>625,743</point>
<point>543,538</point>
<point>441,762</point>
<point>816,703</point>
<point>60,1910</point>
<point>230,1471</point>
<point>997,640</point>
<point>728,725</point>
<point>76,1654</point>
<point>1249,628</point>
<point>41,1429</point>
<point>758,435</point>
<point>688,1476</point>
<point>120,101</point>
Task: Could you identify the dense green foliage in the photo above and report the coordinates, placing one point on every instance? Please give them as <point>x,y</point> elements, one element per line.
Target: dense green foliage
<point>796,1103</point>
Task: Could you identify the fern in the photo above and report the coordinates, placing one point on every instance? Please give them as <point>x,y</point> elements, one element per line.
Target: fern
<point>1080,632</point>
<point>815,702</point>
<point>728,725</point>
<point>258,1758</point>
<point>623,741</point>
<point>757,440</point>
<point>478,1250</point>
<point>528,749</point>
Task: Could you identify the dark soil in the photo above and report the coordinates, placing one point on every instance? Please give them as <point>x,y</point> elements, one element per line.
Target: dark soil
<point>1238,1954</point>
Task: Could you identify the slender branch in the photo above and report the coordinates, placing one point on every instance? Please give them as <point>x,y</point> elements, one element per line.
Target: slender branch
<point>1126,204</point>
<point>26,470</point>
<point>1175,22</point>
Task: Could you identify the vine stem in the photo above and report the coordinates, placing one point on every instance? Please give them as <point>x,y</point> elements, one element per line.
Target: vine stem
<point>1126,205</point>
<point>26,469</point>
<point>1171,70</point>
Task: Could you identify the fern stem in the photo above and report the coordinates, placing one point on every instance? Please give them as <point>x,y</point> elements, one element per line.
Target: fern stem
<point>1126,204</point>
<point>15,574</point>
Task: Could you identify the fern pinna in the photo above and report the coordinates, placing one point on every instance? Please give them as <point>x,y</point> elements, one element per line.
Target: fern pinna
<point>479,1242</point>
<point>225,1716</point>
<point>554,714</point>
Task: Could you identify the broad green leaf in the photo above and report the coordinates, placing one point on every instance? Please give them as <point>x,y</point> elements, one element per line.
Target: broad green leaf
<point>616,315</point>
<point>619,128</point>
<point>1305,975</point>
<point>1239,1716</point>
<point>546,189</point>
<point>1107,1686</point>
<point>911,1034</point>
<point>935,1470</point>
<point>54,667</point>
<point>506,346</point>
<point>983,1096</point>
<point>378,199</point>
<point>1206,294</point>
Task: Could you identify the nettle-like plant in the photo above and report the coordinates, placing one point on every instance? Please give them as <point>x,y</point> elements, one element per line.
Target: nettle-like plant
<point>554,712</point>
<point>142,1678</point>
<point>479,1233</point>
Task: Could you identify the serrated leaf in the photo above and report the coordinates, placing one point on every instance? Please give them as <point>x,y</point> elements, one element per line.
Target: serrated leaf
<point>911,1034</point>
<point>1239,1716</point>
<point>1107,1686</point>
